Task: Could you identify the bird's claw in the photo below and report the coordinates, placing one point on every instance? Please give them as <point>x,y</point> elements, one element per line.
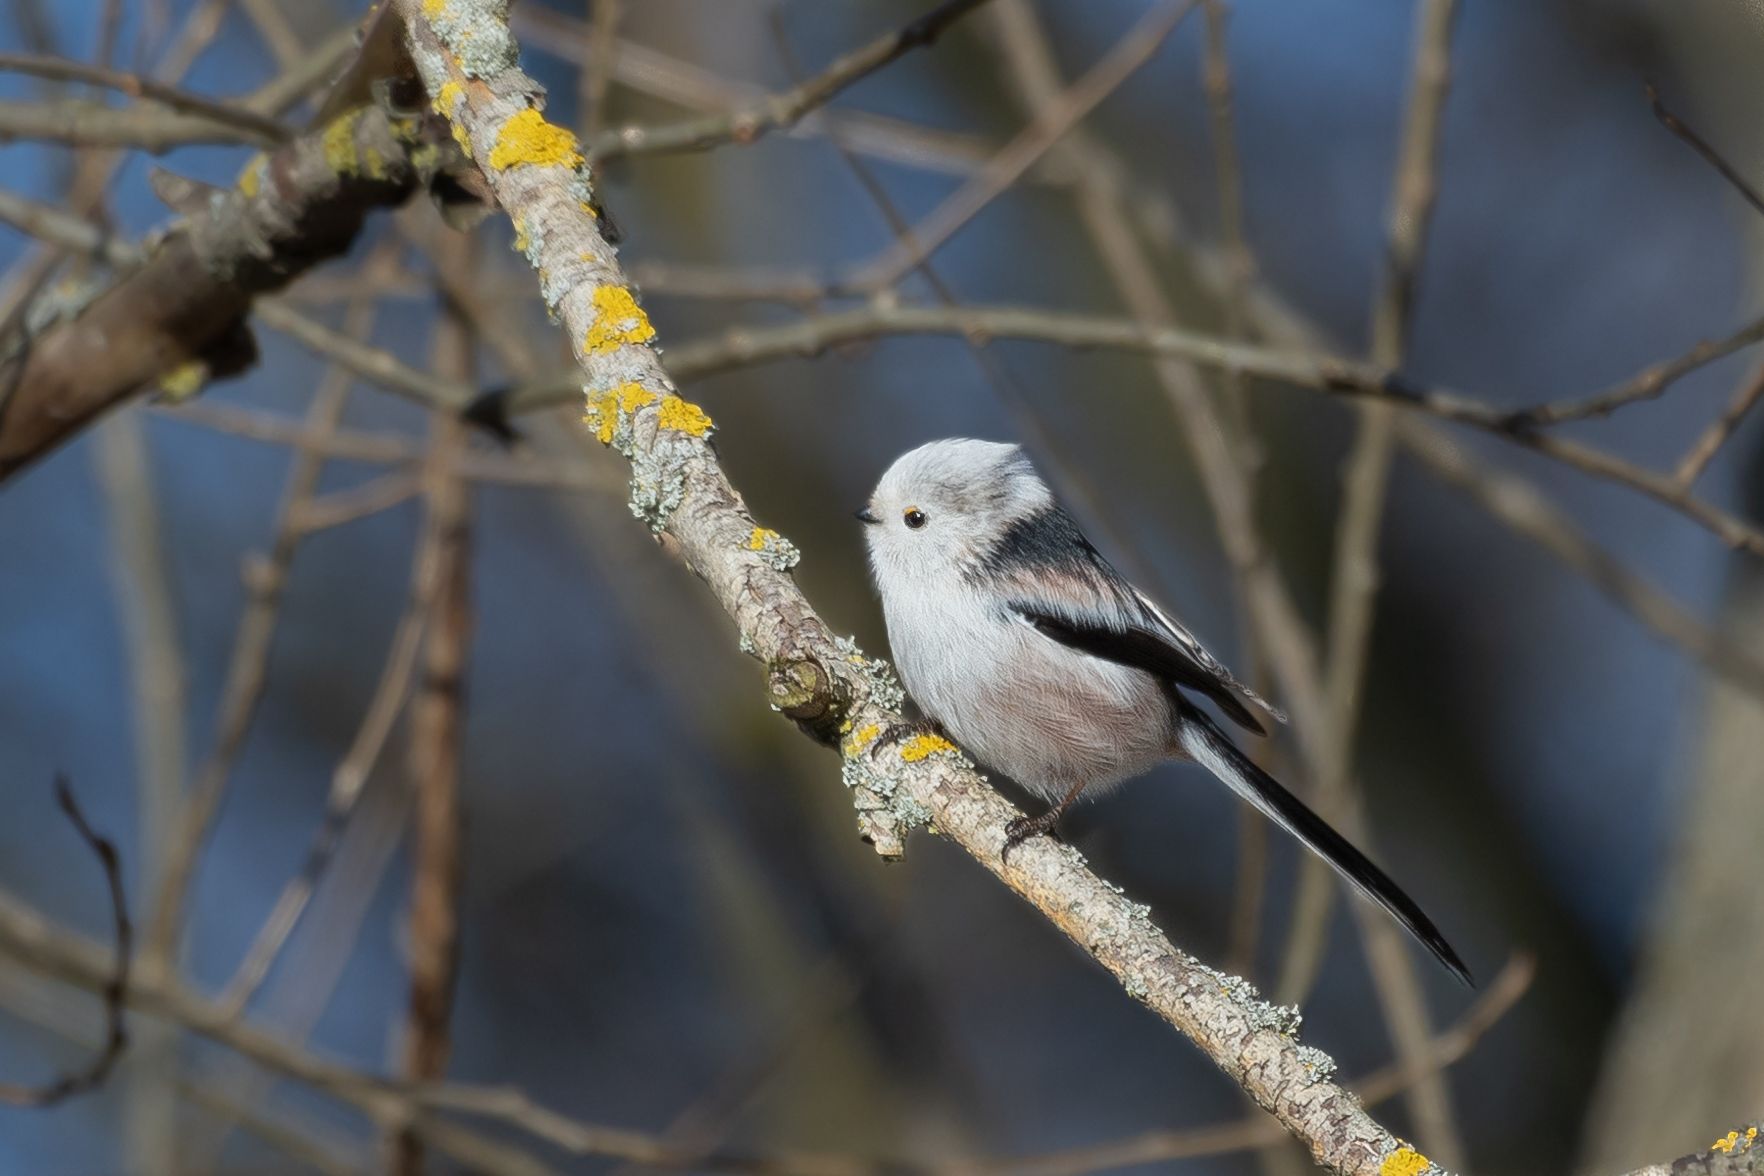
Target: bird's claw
<point>1023,828</point>
<point>898,732</point>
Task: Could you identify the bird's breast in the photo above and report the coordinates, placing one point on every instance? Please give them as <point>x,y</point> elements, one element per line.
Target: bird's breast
<point>1046,715</point>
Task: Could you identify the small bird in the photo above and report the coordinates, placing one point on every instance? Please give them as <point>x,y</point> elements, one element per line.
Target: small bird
<point>1016,637</point>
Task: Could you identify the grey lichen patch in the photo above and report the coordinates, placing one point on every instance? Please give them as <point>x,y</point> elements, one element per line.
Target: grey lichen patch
<point>658,478</point>
<point>476,33</point>
<point>1261,1014</point>
<point>529,241</point>
<point>774,550</point>
<point>882,687</point>
<point>1319,1065</point>
<point>885,815</point>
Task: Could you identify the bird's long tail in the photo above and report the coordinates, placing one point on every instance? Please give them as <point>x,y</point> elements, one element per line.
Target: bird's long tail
<point>1208,746</point>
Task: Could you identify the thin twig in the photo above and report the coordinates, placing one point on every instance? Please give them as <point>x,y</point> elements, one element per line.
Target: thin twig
<point>304,77</point>
<point>262,127</point>
<point>782,111</point>
<point>671,79</point>
<point>1698,144</point>
<point>1051,123</point>
<point>1647,384</point>
<point>114,985</point>
<point>594,80</point>
<point>1522,506</point>
<point>1703,450</point>
<point>351,775</point>
<point>339,508</point>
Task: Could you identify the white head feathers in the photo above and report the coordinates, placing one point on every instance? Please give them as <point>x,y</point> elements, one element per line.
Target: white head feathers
<point>943,505</point>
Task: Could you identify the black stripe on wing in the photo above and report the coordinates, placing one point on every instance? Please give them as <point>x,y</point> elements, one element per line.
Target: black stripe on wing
<point>1142,649</point>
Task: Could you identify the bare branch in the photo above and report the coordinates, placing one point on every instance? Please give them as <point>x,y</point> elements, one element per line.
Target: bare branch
<point>81,122</point>
<point>782,111</point>
<point>1720,430</point>
<point>1698,144</point>
<point>115,985</point>
<point>437,722</point>
<point>266,130</point>
<point>1121,62</point>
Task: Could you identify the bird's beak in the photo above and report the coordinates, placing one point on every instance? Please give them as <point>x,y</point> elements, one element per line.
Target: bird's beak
<point>866,515</point>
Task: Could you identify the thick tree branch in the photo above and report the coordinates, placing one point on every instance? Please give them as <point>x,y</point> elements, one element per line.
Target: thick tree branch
<point>467,58</point>
<point>186,303</point>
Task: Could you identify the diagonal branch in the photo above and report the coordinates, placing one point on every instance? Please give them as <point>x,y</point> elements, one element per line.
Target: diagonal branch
<point>186,303</point>
<point>467,56</point>
<point>781,111</point>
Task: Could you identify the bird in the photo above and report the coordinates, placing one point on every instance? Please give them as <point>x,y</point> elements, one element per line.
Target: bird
<point>1016,637</point>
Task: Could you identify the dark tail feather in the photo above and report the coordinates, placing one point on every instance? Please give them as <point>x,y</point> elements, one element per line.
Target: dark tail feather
<point>1202,739</point>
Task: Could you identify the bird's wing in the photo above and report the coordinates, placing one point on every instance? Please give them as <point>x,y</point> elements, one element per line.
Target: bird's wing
<point>1154,649</point>
<point>1055,580</point>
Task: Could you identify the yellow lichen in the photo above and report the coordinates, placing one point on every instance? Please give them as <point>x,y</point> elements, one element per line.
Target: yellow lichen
<point>251,175</point>
<point>184,381</point>
<point>373,164</point>
<point>1404,1161</point>
<point>605,408</point>
<point>339,144</point>
<point>434,8</point>
<point>521,241</point>
<point>527,139</point>
<point>462,138</point>
<point>683,416</point>
<point>1733,1141</point>
<point>448,98</point>
<point>757,540</point>
<point>862,738</point>
<point>924,746</point>
<point>618,321</point>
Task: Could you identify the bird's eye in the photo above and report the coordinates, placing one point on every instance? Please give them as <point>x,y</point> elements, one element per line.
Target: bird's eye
<point>915,518</point>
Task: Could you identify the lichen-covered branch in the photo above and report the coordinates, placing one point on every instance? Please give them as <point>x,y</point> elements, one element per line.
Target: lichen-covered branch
<point>179,316</point>
<point>1738,1153</point>
<point>467,58</point>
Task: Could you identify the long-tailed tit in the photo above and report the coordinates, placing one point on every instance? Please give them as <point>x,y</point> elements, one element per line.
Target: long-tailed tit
<point>1014,635</point>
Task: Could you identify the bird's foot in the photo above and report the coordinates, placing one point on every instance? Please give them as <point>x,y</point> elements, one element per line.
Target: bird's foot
<point>900,732</point>
<point>1023,828</point>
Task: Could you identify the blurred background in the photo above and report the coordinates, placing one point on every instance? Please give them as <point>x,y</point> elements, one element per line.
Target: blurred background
<point>666,922</point>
